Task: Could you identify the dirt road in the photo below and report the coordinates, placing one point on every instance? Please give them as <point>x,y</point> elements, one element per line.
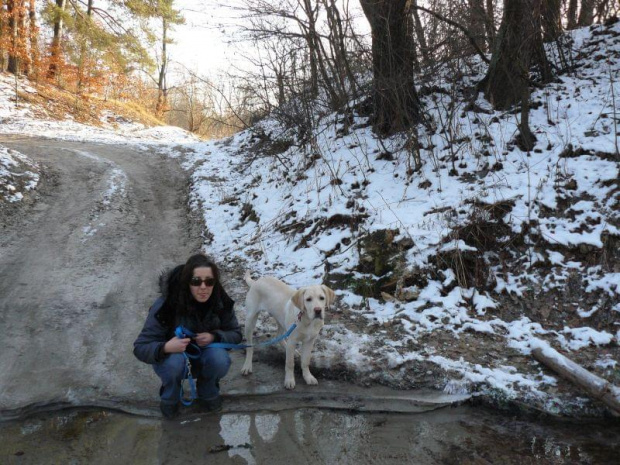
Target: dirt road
<point>77,272</point>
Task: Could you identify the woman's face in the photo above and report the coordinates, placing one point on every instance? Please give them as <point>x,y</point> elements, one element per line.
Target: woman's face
<point>203,291</point>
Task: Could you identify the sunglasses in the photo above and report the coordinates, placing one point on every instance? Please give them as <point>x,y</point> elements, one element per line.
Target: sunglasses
<point>197,282</point>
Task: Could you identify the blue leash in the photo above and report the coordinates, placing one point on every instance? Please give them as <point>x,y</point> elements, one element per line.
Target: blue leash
<point>182,332</point>
<point>194,352</point>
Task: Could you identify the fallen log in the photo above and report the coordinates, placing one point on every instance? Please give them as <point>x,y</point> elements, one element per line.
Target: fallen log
<point>597,387</point>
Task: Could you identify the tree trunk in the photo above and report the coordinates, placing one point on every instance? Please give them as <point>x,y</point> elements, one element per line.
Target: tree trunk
<point>317,51</point>
<point>2,35</point>
<point>552,19</point>
<point>309,33</point>
<point>55,54</point>
<point>490,24</point>
<point>13,8</point>
<point>526,139</point>
<point>395,101</point>
<point>162,91</point>
<point>476,21</point>
<point>281,99</point>
<point>596,387</point>
<point>82,63</point>
<point>602,8</point>
<point>518,45</point>
<point>586,13</point>
<point>571,14</point>
<point>33,37</point>
<point>339,46</point>
<point>421,38</point>
<point>83,57</point>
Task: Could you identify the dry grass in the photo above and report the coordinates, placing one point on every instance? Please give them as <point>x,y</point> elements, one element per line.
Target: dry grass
<point>133,111</point>
<point>54,102</point>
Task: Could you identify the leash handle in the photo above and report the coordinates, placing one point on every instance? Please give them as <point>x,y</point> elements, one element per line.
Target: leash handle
<point>193,395</point>
<point>182,332</point>
<point>193,349</point>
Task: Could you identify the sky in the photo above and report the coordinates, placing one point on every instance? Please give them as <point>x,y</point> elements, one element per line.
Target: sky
<point>202,44</point>
<point>209,42</point>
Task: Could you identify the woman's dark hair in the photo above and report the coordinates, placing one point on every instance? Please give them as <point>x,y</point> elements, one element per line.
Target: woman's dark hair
<point>185,301</point>
<point>179,301</point>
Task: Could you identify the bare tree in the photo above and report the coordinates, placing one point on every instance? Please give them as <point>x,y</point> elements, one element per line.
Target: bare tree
<point>168,16</point>
<point>586,13</point>
<point>55,50</point>
<point>518,46</point>
<point>16,27</point>
<point>420,36</point>
<point>490,23</point>
<point>571,14</point>
<point>395,101</point>
<point>325,29</point>
<point>34,43</point>
<point>552,19</point>
<point>477,20</point>
<point>189,105</point>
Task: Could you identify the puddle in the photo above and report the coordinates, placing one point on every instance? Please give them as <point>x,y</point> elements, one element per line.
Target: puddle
<point>463,435</point>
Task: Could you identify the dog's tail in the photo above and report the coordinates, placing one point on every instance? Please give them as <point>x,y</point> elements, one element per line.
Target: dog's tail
<point>248,278</point>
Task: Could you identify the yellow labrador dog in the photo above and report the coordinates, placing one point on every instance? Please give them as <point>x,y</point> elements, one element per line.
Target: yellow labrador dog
<point>305,306</point>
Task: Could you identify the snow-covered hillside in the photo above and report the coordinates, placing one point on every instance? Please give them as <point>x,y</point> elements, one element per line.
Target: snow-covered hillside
<point>449,274</point>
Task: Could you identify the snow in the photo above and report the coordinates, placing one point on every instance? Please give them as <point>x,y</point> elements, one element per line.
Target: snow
<point>583,337</point>
<point>16,169</point>
<point>305,213</point>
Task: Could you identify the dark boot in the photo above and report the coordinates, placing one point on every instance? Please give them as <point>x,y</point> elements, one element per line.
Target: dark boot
<point>169,411</point>
<point>211,405</point>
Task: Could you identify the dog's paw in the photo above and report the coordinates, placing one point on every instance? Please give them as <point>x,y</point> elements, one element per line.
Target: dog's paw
<point>289,383</point>
<point>311,380</point>
<point>246,370</point>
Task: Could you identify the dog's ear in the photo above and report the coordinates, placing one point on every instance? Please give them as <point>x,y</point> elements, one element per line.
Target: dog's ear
<point>298,299</point>
<point>331,295</point>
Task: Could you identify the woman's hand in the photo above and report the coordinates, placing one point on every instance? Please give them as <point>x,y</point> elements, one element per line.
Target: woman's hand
<point>204,339</point>
<point>176,345</point>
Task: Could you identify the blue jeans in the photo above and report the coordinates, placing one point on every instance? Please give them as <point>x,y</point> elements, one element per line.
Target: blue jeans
<point>212,366</point>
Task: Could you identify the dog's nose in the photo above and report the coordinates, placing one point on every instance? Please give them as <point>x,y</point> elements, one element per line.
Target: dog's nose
<point>318,309</point>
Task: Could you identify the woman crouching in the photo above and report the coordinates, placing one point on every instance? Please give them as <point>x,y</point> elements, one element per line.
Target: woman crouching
<point>192,297</point>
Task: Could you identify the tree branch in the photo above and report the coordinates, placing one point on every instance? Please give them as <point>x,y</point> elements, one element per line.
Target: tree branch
<point>460,27</point>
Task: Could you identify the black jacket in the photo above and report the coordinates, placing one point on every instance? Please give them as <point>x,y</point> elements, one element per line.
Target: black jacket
<point>217,318</point>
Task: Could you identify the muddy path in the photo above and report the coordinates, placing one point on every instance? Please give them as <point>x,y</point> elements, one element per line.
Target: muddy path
<point>78,268</point>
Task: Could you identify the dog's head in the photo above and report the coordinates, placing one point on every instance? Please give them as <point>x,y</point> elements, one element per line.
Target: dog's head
<point>314,300</point>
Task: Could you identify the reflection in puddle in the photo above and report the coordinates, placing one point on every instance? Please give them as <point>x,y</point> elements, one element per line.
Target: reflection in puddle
<point>235,431</point>
<point>335,437</point>
<point>267,426</point>
<point>463,435</point>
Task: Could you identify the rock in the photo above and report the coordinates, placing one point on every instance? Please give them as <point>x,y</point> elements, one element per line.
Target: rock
<point>571,185</point>
<point>387,297</point>
<point>408,294</point>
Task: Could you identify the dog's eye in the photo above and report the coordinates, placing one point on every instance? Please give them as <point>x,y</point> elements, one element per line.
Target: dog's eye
<point>322,298</point>
<point>308,299</point>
